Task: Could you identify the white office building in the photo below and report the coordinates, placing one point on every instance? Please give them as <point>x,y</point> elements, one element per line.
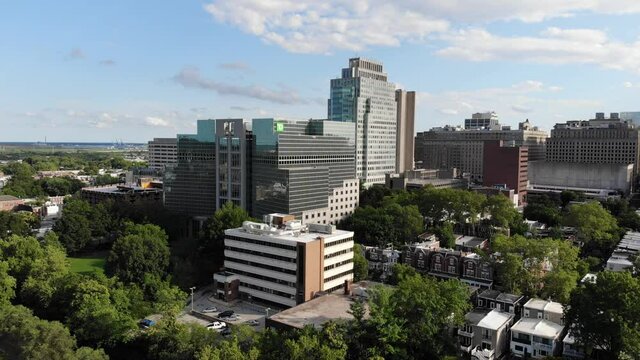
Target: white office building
<point>283,262</point>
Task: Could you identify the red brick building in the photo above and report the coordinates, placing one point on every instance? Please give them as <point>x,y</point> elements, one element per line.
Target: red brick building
<point>506,165</point>
<point>8,202</point>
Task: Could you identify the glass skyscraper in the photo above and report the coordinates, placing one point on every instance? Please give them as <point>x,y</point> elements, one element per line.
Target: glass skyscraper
<point>364,97</point>
<point>297,164</point>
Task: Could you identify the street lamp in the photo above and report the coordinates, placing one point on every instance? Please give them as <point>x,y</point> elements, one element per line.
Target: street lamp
<point>192,288</point>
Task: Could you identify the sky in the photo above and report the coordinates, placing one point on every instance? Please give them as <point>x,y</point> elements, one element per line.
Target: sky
<point>132,70</point>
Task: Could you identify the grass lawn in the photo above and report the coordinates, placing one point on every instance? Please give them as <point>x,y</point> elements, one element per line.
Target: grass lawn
<point>89,263</point>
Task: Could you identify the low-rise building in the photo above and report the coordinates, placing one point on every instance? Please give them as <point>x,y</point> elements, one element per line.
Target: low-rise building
<point>485,334</point>
<point>471,243</point>
<point>571,349</point>
<point>494,299</point>
<point>282,263</point>
<point>544,309</point>
<point>536,338</point>
<point>382,260</point>
<point>133,193</point>
<point>625,251</point>
<point>9,202</point>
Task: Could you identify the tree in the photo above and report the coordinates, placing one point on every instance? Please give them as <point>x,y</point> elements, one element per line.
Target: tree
<point>24,336</point>
<point>7,285</point>
<point>143,249</point>
<point>74,231</point>
<point>445,235</point>
<point>389,224</point>
<point>229,216</point>
<point>360,263</point>
<point>605,315</point>
<point>14,224</point>
<point>549,215</point>
<point>374,195</point>
<point>595,225</point>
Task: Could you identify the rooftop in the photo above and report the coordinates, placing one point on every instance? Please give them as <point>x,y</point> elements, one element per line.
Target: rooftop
<point>8,198</point>
<point>544,305</point>
<point>475,316</point>
<point>316,312</point>
<point>469,241</point>
<point>500,296</point>
<point>537,327</point>
<point>495,319</point>
<point>290,231</point>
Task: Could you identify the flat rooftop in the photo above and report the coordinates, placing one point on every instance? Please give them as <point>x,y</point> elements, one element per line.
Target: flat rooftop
<point>537,327</point>
<point>495,320</point>
<point>316,312</point>
<point>544,305</point>
<point>120,189</point>
<point>289,235</point>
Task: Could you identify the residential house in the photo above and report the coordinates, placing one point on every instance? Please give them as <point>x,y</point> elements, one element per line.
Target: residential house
<point>382,260</point>
<point>570,348</point>
<point>536,338</point>
<point>485,334</point>
<point>470,243</point>
<point>543,309</point>
<point>494,299</point>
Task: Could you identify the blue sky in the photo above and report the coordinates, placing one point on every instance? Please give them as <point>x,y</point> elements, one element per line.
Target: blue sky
<point>133,70</point>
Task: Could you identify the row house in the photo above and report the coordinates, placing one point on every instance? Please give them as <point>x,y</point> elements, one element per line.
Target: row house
<point>450,264</point>
<point>382,260</point>
<point>494,299</point>
<point>539,333</point>
<point>485,334</point>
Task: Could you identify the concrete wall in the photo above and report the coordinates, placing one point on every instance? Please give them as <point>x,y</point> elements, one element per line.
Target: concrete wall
<point>593,176</point>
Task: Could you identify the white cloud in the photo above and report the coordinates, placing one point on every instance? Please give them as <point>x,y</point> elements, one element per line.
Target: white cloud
<point>552,46</point>
<point>190,77</point>
<point>76,54</point>
<point>235,66</point>
<point>306,26</point>
<point>311,26</point>
<point>156,121</point>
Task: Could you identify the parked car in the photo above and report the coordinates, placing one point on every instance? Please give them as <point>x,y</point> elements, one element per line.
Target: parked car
<point>210,309</point>
<point>225,314</point>
<point>253,322</point>
<point>226,332</point>
<point>216,325</point>
<point>146,323</point>
<point>233,317</point>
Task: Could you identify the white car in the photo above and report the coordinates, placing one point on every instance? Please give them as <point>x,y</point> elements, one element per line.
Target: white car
<point>216,325</point>
<point>210,309</point>
<point>253,322</point>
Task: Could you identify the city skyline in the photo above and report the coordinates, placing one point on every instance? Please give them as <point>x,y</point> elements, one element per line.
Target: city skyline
<point>133,72</point>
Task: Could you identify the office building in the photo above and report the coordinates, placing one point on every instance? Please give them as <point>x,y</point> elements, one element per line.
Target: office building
<point>233,163</point>
<point>162,152</point>
<point>453,147</point>
<point>190,183</point>
<point>486,121</point>
<point>631,116</point>
<point>305,168</point>
<point>141,192</point>
<point>363,97</point>
<point>406,113</point>
<point>506,166</point>
<point>284,263</point>
<point>597,141</point>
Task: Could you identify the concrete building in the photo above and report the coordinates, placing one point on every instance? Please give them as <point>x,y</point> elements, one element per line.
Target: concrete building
<point>283,263</point>
<point>9,202</point>
<point>544,309</point>
<point>594,180</point>
<point>506,166</point>
<point>419,178</point>
<point>305,168</point>
<point>597,141</point>
<point>485,121</point>
<point>536,338</point>
<point>162,152</point>
<point>485,334</point>
<point>406,113</point>
<point>362,96</point>
<point>453,147</point>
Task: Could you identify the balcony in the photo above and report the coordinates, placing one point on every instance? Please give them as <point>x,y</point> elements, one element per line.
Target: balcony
<point>465,333</point>
<point>521,341</point>
<point>541,346</point>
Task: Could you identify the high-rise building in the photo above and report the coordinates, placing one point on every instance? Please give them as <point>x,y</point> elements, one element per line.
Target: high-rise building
<point>453,147</point>
<point>631,116</point>
<point>506,165</point>
<point>364,97</point>
<point>304,168</point>
<point>233,163</point>
<point>190,184</point>
<point>596,141</point>
<point>162,152</point>
<point>283,262</point>
<point>406,112</point>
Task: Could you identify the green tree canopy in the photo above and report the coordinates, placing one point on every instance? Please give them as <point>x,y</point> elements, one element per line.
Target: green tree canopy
<point>605,315</point>
<point>360,263</point>
<point>142,250</point>
<point>595,225</point>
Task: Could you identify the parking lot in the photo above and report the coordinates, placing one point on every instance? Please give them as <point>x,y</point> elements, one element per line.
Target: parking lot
<point>204,298</point>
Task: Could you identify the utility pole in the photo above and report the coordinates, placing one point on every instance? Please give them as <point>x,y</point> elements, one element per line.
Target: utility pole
<point>267,310</point>
<point>192,288</point>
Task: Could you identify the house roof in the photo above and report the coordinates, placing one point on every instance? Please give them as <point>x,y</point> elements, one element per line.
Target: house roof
<point>495,320</point>
<point>474,317</point>
<point>537,327</point>
<point>544,305</point>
